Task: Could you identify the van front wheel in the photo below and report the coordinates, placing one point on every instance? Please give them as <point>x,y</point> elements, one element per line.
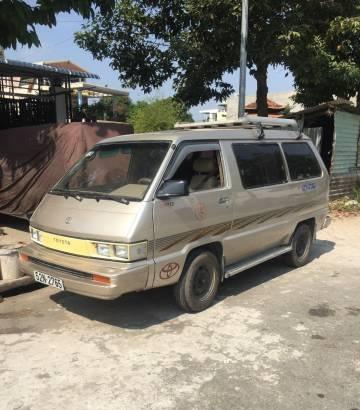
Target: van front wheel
<point>301,246</point>
<point>199,282</point>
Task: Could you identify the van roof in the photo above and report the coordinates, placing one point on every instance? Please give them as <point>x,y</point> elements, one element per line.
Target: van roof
<point>177,136</point>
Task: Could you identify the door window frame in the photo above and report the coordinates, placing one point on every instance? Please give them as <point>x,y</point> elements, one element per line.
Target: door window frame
<point>186,148</point>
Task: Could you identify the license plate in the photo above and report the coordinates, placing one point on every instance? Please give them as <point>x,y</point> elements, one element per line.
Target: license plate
<point>49,280</point>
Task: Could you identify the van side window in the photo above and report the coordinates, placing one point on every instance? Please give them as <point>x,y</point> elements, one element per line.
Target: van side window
<point>202,170</point>
<point>301,161</point>
<point>260,164</point>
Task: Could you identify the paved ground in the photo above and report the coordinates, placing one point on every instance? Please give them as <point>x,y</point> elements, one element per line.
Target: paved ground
<point>276,339</point>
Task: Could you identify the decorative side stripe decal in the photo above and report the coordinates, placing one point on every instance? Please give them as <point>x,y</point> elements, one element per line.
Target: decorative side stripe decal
<point>168,242</point>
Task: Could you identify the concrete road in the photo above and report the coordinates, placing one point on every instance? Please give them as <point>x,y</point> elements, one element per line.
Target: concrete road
<point>275,339</point>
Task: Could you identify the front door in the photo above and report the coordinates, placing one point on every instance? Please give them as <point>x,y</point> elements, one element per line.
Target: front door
<point>183,223</point>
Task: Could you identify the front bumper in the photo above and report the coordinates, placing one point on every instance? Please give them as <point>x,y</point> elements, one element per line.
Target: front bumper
<point>76,272</point>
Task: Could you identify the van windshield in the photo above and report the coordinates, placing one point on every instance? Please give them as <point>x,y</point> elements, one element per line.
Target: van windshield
<point>123,170</point>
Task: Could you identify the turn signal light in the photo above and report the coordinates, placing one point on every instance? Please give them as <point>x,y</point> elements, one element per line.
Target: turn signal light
<point>23,258</point>
<point>101,279</point>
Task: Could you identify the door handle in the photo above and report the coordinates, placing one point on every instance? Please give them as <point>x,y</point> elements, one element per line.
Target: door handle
<point>224,200</point>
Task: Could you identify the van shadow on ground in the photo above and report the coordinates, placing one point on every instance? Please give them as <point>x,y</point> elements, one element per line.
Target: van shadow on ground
<point>145,309</point>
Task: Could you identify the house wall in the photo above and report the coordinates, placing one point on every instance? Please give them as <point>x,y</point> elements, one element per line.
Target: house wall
<point>345,174</point>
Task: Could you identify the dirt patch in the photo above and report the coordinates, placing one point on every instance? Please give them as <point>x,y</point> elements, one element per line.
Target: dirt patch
<point>318,337</point>
<point>322,310</point>
<point>353,311</point>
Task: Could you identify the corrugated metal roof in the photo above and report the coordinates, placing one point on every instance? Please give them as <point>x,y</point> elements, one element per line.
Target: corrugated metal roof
<point>327,107</point>
<point>14,67</point>
<point>69,65</point>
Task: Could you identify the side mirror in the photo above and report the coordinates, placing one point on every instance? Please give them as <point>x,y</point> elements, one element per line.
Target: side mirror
<point>173,188</point>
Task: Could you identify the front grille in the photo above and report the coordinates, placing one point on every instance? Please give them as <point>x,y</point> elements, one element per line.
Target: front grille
<point>61,268</point>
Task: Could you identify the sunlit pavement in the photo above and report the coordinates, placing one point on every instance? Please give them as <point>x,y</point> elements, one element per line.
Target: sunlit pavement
<point>277,338</point>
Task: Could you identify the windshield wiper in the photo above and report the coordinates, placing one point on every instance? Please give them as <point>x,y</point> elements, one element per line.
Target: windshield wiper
<point>120,199</point>
<point>79,195</point>
<point>66,194</point>
<point>97,197</point>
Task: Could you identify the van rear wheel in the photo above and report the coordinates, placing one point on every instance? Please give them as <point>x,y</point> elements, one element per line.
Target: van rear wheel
<point>301,246</point>
<point>199,282</point>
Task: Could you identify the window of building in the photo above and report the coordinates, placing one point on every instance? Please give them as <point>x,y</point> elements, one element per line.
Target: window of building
<point>301,161</point>
<point>202,170</point>
<point>260,164</point>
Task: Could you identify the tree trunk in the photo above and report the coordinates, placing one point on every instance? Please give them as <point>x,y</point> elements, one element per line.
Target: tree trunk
<point>358,101</point>
<point>262,90</point>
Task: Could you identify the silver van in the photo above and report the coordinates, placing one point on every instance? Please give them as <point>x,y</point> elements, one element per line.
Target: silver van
<point>189,208</point>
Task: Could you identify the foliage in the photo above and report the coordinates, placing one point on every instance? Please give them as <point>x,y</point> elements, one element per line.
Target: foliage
<point>345,206</point>
<point>18,18</point>
<point>332,62</point>
<point>194,42</point>
<point>157,115</point>
<point>110,108</point>
<point>191,42</point>
<point>356,194</point>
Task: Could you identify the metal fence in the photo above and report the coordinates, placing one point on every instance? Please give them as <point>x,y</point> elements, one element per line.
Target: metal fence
<point>26,111</point>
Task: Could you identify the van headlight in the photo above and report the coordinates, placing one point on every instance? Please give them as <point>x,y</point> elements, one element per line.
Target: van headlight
<point>122,251</point>
<point>35,235</point>
<point>125,252</point>
<point>104,249</point>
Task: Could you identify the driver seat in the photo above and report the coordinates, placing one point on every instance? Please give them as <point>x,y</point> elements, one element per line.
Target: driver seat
<point>204,174</point>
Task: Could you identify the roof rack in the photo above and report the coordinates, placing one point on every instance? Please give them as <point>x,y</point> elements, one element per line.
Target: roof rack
<point>243,122</point>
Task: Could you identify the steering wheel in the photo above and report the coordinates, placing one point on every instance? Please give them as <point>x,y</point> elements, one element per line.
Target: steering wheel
<point>144,181</point>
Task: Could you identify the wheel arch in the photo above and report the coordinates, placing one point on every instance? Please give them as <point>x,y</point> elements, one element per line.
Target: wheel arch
<point>215,248</point>
<point>311,222</point>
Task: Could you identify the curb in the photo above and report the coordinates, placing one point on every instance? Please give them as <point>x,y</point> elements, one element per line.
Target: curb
<point>6,285</point>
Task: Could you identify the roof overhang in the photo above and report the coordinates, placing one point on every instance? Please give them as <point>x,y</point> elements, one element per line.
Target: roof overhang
<point>96,91</point>
<point>13,68</point>
<point>327,108</point>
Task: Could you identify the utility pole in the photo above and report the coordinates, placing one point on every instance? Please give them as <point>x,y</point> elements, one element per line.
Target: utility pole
<point>243,56</point>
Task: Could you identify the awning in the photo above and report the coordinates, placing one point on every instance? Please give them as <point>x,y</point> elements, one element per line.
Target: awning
<point>96,91</point>
<point>14,68</point>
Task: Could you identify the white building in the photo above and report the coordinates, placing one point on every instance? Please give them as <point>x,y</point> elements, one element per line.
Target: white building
<point>215,114</point>
<point>229,109</point>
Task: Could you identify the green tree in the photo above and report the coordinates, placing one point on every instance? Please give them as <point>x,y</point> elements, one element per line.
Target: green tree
<point>194,42</point>
<point>18,18</point>
<point>111,108</point>
<point>332,62</point>
<point>157,115</point>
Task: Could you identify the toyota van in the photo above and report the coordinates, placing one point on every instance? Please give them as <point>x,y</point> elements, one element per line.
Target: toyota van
<point>189,208</point>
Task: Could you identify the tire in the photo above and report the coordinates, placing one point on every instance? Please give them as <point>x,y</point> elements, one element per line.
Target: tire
<point>301,246</point>
<point>199,282</point>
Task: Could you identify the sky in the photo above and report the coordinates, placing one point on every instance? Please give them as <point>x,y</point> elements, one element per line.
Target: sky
<point>57,43</point>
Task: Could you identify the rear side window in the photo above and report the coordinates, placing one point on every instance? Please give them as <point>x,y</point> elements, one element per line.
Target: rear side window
<point>259,164</point>
<point>301,161</point>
